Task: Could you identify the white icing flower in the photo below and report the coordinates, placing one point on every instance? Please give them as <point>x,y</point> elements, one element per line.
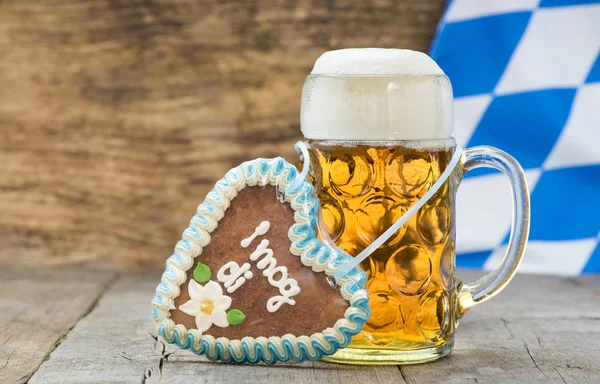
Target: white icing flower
<point>207,304</point>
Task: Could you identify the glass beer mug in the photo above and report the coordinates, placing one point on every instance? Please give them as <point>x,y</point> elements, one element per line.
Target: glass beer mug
<point>378,125</point>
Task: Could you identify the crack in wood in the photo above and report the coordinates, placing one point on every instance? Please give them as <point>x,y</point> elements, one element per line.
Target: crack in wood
<point>561,376</point>
<point>532,359</point>
<point>163,360</point>
<point>573,366</point>
<point>164,356</point>
<point>402,374</point>
<point>505,322</point>
<point>154,337</point>
<point>538,340</point>
<point>8,358</point>
<point>147,374</point>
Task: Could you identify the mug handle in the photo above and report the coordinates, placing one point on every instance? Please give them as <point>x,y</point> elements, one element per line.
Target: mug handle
<point>489,285</point>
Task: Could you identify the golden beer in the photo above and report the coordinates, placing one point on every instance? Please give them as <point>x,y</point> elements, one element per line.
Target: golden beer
<point>378,124</point>
<point>363,189</point>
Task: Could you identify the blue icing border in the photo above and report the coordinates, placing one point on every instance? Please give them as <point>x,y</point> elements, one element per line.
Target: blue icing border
<point>312,252</point>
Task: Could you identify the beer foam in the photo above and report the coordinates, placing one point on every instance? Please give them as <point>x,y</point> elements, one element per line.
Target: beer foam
<point>376,94</point>
<point>375,61</point>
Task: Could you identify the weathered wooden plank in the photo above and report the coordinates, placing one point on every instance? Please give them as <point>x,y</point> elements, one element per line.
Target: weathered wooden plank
<point>540,329</point>
<point>38,306</point>
<point>185,369</point>
<point>115,344</point>
<point>498,342</point>
<point>519,350</point>
<point>116,117</point>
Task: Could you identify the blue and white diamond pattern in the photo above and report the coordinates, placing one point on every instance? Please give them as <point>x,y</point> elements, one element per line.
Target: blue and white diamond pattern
<point>526,78</point>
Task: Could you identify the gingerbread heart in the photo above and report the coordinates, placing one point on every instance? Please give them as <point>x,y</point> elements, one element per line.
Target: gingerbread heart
<point>247,281</point>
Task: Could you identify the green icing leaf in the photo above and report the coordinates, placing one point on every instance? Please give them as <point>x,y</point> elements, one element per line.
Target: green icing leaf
<point>202,273</point>
<point>235,317</point>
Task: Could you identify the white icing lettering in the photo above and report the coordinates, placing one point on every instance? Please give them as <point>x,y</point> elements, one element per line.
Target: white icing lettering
<point>268,264</point>
<point>263,250</point>
<point>279,270</point>
<point>262,229</point>
<point>275,302</point>
<point>233,276</point>
<point>293,289</point>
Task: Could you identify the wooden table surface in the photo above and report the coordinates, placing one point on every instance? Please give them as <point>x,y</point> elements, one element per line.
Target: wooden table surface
<point>77,325</point>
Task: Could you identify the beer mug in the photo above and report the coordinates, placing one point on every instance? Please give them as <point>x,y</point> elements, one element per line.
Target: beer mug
<point>378,125</point>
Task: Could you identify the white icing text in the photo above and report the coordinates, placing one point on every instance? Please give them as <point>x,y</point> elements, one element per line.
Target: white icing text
<point>233,276</point>
<point>288,287</point>
<point>262,228</point>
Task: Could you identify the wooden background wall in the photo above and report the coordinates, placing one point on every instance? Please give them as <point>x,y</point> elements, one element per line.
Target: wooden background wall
<point>116,117</point>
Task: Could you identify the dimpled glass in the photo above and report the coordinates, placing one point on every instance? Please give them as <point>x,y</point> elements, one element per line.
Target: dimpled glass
<point>415,299</point>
